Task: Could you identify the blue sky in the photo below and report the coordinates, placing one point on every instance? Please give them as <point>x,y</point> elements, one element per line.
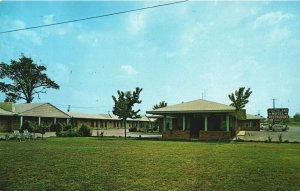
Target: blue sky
<point>176,53</point>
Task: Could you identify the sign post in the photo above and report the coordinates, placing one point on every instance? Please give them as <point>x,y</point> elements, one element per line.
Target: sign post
<point>278,114</point>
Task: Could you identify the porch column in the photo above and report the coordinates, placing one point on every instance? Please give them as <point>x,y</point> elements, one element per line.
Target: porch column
<point>205,123</point>
<point>227,122</point>
<point>183,122</point>
<point>164,122</point>
<point>39,121</point>
<point>67,121</point>
<point>21,121</point>
<point>54,121</point>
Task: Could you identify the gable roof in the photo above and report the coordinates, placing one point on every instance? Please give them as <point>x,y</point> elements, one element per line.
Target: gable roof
<point>39,110</point>
<point>6,113</point>
<point>21,108</point>
<point>196,106</point>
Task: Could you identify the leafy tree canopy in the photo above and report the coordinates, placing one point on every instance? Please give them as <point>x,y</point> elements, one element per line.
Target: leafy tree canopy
<point>160,105</point>
<point>240,98</point>
<point>26,79</point>
<point>296,117</point>
<point>124,105</point>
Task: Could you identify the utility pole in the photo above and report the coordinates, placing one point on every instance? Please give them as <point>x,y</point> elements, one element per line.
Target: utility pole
<point>274,103</point>
<point>69,106</point>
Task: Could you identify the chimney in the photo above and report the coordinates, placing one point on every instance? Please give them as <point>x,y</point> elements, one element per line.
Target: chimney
<point>8,106</point>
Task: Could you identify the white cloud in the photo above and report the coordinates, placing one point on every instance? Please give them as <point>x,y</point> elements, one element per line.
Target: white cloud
<point>128,69</point>
<point>60,73</point>
<point>279,34</point>
<point>192,36</point>
<point>26,35</point>
<point>90,38</point>
<point>48,19</point>
<point>137,22</point>
<point>59,29</point>
<point>271,18</point>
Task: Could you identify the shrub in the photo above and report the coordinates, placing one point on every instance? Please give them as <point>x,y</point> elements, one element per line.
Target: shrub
<point>56,127</point>
<point>269,138</point>
<point>27,125</point>
<point>155,128</point>
<point>42,129</point>
<point>132,129</point>
<point>67,127</point>
<point>69,133</point>
<point>280,137</point>
<point>85,131</point>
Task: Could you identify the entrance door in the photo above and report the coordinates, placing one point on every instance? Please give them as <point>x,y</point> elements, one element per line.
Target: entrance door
<point>196,124</point>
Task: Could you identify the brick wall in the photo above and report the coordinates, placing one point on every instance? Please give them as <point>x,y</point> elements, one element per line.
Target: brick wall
<point>176,134</point>
<point>214,135</point>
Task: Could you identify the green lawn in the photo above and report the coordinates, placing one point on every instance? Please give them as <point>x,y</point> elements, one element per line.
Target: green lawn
<point>91,164</point>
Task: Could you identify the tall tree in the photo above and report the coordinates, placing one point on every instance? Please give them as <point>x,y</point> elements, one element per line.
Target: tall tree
<point>160,105</point>
<point>239,100</point>
<point>124,105</point>
<point>26,79</point>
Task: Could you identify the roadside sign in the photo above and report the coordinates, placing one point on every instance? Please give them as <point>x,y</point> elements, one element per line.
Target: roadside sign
<point>278,113</point>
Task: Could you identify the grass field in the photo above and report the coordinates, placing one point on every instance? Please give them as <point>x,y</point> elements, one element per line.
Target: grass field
<point>106,164</point>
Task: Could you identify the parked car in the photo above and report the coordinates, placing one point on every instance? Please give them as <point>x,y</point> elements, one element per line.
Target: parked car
<point>279,127</point>
<point>264,126</point>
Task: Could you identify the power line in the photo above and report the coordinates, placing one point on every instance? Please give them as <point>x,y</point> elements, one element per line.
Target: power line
<point>94,17</point>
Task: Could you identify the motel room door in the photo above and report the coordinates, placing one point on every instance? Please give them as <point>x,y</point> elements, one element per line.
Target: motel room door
<point>196,124</point>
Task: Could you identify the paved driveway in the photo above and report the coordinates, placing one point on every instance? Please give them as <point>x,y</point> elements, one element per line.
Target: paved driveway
<point>120,133</point>
<point>292,135</point>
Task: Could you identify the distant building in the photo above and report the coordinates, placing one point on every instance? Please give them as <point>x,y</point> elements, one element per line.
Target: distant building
<point>250,123</point>
<point>203,120</point>
<point>199,119</point>
<point>12,117</point>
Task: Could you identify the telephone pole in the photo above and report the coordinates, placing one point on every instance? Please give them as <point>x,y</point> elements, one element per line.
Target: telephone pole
<point>69,106</point>
<point>274,102</point>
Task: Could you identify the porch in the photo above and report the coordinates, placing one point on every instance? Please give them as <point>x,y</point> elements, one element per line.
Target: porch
<point>201,126</point>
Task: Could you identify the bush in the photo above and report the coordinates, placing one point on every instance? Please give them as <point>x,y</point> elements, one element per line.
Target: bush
<point>85,131</point>
<point>155,128</point>
<point>56,127</point>
<point>27,125</point>
<point>69,133</point>
<point>67,127</point>
<point>280,137</point>
<point>42,129</point>
<point>132,129</point>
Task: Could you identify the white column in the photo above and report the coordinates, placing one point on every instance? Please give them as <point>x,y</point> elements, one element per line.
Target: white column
<point>54,120</point>
<point>205,123</point>
<point>21,121</point>
<point>227,122</point>
<point>183,122</point>
<point>39,121</point>
<point>164,121</point>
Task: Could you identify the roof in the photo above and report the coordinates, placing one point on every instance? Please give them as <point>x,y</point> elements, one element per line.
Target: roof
<point>21,108</point>
<point>7,113</point>
<point>91,116</point>
<point>254,117</point>
<point>196,106</point>
<point>40,110</point>
<point>105,117</point>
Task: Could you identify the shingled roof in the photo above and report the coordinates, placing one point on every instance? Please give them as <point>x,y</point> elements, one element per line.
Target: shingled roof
<point>196,106</point>
<point>6,113</point>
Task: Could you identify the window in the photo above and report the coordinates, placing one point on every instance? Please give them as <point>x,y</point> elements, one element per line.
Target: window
<point>92,123</point>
